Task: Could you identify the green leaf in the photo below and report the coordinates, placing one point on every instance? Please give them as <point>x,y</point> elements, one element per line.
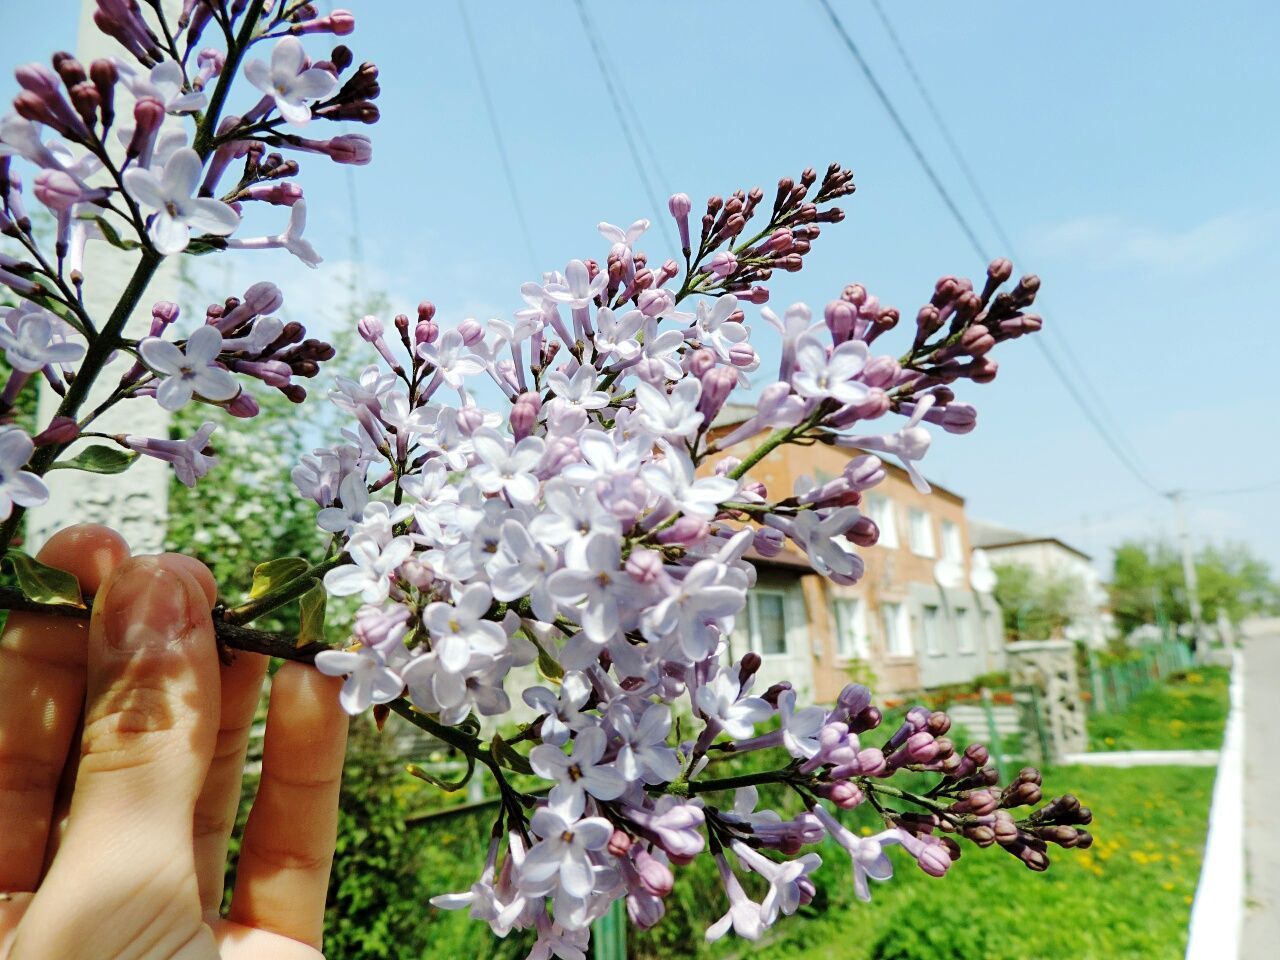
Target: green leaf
<point>112,236</point>
<point>44,584</point>
<point>276,573</point>
<point>99,459</point>
<point>311,615</point>
<point>548,665</point>
<point>509,757</point>
<point>449,786</point>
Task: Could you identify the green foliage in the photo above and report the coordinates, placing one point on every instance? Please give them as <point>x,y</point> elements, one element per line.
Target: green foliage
<point>44,584</point>
<point>99,459</point>
<point>375,903</point>
<point>1036,606</point>
<point>1188,713</point>
<point>1148,585</point>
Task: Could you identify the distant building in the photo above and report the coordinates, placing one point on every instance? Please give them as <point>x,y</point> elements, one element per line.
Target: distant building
<point>899,625</point>
<point>1051,557</point>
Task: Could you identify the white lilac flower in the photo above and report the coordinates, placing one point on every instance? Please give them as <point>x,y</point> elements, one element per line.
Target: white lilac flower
<point>287,82</point>
<point>178,211</point>
<point>720,699</point>
<point>291,240</point>
<point>716,330</point>
<point>562,857</point>
<point>188,457</point>
<point>452,360</point>
<point>644,754</point>
<point>695,603</point>
<point>190,370</point>
<point>579,773</point>
<point>18,486</point>
<point>570,517</point>
<point>744,915</point>
<point>32,338</point>
<point>673,477</point>
<point>867,853</point>
<point>164,83</point>
<point>578,390</point>
<point>459,629</point>
<point>799,727</point>
<point>820,375</point>
<point>577,288</point>
<point>369,679</point>
<point>592,587</point>
<point>355,497</point>
<point>616,334</point>
<point>371,568</point>
<point>505,468</point>
<point>671,416</point>
<point>909,444</point>
<point>562,709</point>
<point>787,880</point>
<point>603,458</point>
<point>521,568</point>
<point>822,539</point>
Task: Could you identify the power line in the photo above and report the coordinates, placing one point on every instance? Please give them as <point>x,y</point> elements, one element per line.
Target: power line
<point>972,237</point>
<point>492,114</point>
<point>616,98</point>
<point>989,210</point>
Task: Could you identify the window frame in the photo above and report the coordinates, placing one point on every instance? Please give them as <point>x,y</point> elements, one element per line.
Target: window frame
<point>929,549</point>
<point>850,617</point>
<point>902,628</point>
<point>881,509</point>
<point>966,635</point>
<point>931,632</point>
<point>754,638</point>
<point>952,546</point>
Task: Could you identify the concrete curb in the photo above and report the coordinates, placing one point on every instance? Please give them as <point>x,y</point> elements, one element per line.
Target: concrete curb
<point>1144,758</point>
<point>1217,915</point>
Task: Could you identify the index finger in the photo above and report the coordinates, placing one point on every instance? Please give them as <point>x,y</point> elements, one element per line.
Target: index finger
<point>42,678</point>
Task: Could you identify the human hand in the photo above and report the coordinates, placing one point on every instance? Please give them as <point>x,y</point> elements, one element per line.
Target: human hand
<point>116,847</point>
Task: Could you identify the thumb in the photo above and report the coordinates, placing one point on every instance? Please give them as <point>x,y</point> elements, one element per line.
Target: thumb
<point>126,863</point>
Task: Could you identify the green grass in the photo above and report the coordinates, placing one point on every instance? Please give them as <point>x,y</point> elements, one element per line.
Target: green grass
<point>1185,714</point>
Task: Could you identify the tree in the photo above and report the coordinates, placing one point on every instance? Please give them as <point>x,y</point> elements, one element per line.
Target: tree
<point>1148,585</point>
<point>1035,605</point>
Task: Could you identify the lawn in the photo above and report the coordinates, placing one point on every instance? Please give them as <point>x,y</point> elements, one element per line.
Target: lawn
<point>1185,714</point>
<point>1128,896</point>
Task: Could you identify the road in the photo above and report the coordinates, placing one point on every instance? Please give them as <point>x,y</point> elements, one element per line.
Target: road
<point>1262,795</point>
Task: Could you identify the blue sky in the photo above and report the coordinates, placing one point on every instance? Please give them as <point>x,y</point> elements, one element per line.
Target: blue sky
<point>1130,156</point>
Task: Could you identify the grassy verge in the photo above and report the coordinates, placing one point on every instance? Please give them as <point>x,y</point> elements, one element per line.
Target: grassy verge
<point>1185,714</point>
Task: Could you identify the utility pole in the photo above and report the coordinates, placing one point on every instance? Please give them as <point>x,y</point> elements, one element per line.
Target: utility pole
<point>1188,567</point>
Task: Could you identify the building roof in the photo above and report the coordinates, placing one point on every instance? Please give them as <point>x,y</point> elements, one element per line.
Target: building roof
<point>992,536</point>
<point>732,414</point>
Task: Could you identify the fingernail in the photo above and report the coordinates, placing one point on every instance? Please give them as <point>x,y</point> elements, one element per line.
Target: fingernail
<point>148,608</point>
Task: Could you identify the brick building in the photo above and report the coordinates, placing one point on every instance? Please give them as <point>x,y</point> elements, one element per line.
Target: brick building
<point>899,626</point>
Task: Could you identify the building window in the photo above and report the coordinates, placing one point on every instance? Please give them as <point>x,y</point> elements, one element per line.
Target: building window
<point>769,622</point>
<point>921,532</point>
<point>952,546</point>
<point>993,633</point>
<point>966,641</point>
<point>897,630</point>
<point>881,510</point>
<point>931,628</point>
<point>851,628</point>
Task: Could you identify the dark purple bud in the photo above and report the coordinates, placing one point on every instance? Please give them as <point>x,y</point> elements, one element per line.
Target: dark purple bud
<point>60,430</point>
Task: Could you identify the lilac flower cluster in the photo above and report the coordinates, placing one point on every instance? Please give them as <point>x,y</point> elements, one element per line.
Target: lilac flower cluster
<point>138,151</point>
<point>600,529</point>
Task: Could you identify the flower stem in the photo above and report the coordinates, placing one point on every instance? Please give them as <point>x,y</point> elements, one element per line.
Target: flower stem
<point>290,590</point>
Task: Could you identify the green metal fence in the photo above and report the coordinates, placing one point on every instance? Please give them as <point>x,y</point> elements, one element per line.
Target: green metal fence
<point>1114,686</point>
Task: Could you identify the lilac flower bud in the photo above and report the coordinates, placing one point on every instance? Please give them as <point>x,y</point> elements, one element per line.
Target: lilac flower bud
<point>370,328</point>
<point>524,414</point>
<point>58,190</point>
<point>748,666</point>
<point>864,532</point>
<point>655,876</point>
<point>768,542</point>
<point>471,332</point>
<point>717,385</point>
<point>685,532</point>
<point>280,194</point>
<point>976,341</point>
<point>60,430</point>
<point>104,75</point>
<point>340,23</point>
<point>844,794</point>
<point>148,114</point>
<point>644,565</point>
<point>1000,270</point>
<point>427,330</point>
<point>243,406</point>
<point>1006,831</point>
<point>701,362</point>
<point>723,264</point>
<point>619,843</point>
<point>680,207</point>
<point>977,802</point>
<point>743,355</point>
<point>470,419</point>
<point>841,316</point>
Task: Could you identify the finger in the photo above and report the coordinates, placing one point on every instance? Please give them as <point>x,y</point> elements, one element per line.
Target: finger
<point>42,663</point>
<point>283,872</point>
<point>66,786</point>
<point>218,802</point>
<point>125,870</point>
